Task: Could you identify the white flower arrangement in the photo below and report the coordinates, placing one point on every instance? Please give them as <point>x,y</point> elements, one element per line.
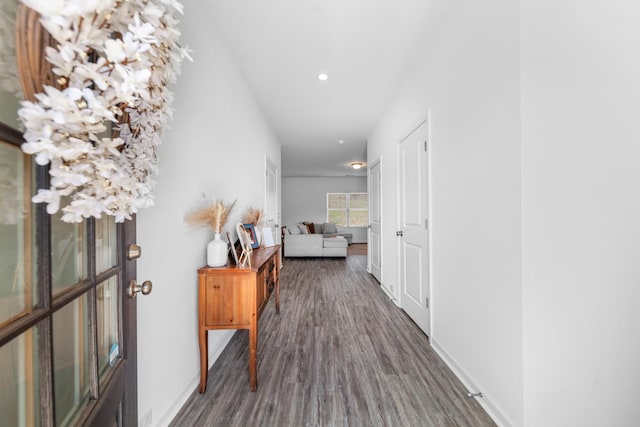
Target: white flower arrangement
<point>114,61</point>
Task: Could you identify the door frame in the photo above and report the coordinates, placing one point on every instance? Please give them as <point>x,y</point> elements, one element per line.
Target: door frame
<point>377,162</point>
<point>270,165</point>
<point>425,119</point>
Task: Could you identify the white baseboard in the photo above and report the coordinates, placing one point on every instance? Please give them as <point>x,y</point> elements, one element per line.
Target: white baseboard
<point>193,382</point>
<point>389,294</point>
<point>493,410</point>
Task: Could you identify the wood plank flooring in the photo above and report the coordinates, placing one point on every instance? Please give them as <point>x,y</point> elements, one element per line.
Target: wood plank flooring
<point>339,354</point>
<point>357,249</point>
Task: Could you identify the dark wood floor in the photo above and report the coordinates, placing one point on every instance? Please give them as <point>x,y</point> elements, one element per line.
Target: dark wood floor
<point>339,354</point>
<point>357,249</point>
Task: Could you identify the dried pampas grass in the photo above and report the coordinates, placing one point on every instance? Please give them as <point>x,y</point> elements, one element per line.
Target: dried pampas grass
<point>252,216</point>
<point>213,213</point>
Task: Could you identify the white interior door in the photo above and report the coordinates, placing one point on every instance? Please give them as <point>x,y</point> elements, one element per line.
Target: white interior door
<point>413,232</point>
<point>272,210</point>
<point>271,194</point>
<point>375,242</point>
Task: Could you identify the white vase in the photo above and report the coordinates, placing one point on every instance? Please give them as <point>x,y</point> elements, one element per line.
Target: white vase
<point>217,252</point>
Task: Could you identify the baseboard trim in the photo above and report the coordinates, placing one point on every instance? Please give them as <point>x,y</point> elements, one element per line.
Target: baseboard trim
<point>487,403</point>
<point>388,293</point>
<point>193,383</point>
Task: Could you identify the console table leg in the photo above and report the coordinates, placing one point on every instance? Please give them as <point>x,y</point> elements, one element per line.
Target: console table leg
<point>276,280</point>
<point>253,355</point>
<point>203,339</point>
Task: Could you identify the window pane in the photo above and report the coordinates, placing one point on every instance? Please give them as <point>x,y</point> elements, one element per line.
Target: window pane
<point>336,200</point>
<point>106,244</point>
<point>358,201</point>
<point>19,382</point>
<point>69,255</point>
<point>339,217</point>
<point>10,92</point>
<point>108,343</point>
<point>16,293</point>
<point>358,218</point>
<point>71,360</point>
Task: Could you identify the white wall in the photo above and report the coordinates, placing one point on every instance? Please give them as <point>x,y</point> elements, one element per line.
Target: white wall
<point>468,81</point>
<point>216,145</point>
<point>305,199</point>
<point>581,235</point>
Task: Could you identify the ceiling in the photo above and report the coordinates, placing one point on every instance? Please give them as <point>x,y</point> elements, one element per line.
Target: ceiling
<point>365,46</point>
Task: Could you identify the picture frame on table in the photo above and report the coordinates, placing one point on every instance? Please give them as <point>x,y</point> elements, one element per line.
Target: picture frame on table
<point>251,231</point>
<point>267,237</point>
<point>233,249</point>
<point>245,242</point>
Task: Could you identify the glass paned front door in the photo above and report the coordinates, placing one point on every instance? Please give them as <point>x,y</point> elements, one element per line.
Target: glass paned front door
<point>106,243</point>
<point>19,384</point>
<point>108,340</point>
<point>68,253</point>
<point>10,91</point>
<point>71,360</point>
<point>16,291</point>
<point>62,337</point>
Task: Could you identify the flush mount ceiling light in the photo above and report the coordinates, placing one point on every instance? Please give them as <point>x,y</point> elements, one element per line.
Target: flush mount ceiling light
<point>323,76</point>
<point>356,165</point>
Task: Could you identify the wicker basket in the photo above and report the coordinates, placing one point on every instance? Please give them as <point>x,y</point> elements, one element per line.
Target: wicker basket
<point>31,42</point>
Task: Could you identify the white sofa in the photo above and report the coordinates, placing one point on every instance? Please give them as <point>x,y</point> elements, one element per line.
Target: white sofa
<point>329,229</point>
<point>301,244</point>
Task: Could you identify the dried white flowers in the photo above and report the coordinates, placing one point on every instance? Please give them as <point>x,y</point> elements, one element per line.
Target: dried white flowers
<point>114,61</point>
<point>214,214</point>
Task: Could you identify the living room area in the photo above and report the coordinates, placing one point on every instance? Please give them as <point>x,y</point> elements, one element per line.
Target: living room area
<point>324,215</point>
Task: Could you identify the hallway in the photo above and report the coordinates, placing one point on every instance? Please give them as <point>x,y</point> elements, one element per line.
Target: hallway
<point>339,353</point>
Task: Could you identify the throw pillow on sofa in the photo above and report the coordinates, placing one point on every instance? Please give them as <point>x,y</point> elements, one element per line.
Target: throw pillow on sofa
<point>303,229</point>
<point>293,230</point>
<point>329,228</point>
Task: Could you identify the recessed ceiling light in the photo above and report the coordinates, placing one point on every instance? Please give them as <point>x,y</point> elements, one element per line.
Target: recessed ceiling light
<point>341,142</point>
<point>323,76</point>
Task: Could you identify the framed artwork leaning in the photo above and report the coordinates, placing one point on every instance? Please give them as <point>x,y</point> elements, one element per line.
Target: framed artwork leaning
<point>267,237</point>
<point>233,249</point>
<point>245,242</point>
<point>251,231</point>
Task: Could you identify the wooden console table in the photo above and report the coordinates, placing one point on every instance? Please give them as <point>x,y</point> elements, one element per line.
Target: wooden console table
<point>233,298</point>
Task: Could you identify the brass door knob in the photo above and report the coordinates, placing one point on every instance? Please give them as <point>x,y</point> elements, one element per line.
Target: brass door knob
<point>134,288</point>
